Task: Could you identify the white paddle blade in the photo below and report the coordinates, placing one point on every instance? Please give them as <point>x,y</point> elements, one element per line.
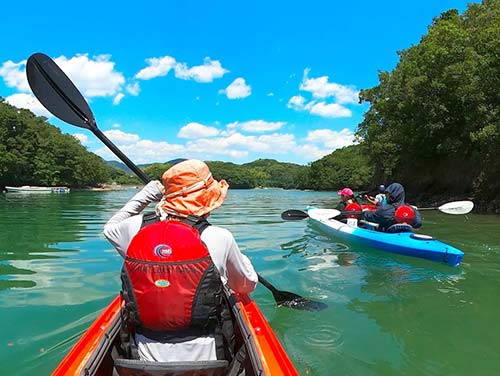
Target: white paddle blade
<point>457,207</point>
<point>323,214</point>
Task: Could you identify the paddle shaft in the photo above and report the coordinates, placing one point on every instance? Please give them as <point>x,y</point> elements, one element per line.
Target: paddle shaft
<point>101,136</point>
<point>267,284</point>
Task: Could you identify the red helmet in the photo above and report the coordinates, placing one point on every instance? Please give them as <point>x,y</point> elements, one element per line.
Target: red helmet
<point>404,214</point>
<point>354,207</point>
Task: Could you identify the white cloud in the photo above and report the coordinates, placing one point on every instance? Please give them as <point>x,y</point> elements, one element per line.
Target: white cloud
<point>160,66</point>
<point>94,77</point>
<point>81,137</point>
<point>133,89</point>
<point>332,110</point>
<point>237,89</point>
<point>311,152</point>
<point>157,67</point>
<point>256,125</point>
<point>196,130</point>
<point>146,151</point>
<point>297,102</point>
<point>321,88</point>
<point>331,139</point>
<point>231,144</point>
<point>121,137</point>
<point>29,102</point>
<point>14,75</point>
<point>272,144</point>
<point>116,125</point>
<point>118,98</point>
<point>210,70</point>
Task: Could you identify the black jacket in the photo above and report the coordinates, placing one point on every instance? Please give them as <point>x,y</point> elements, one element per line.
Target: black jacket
<point>384,215</point>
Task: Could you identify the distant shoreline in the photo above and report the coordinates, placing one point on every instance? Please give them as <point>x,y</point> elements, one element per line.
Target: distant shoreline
<point>111,187</point>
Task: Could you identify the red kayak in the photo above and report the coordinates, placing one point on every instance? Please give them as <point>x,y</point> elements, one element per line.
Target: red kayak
<point>93,354</point>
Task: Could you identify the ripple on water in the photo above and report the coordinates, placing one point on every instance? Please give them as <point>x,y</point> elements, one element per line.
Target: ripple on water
<point>325,337</point>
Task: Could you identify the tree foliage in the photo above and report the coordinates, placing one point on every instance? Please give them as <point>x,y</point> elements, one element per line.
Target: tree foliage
<point>33,152</point>
<point>156,170</point>
<point>434,120</point>
<point>346,167</point>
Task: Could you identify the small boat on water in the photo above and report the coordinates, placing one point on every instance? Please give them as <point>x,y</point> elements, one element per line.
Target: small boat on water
<point>35,189</point>
<point>405,243</point>
<point>96,351</point>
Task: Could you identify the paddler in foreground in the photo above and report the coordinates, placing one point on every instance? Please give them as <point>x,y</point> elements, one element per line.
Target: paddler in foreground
<point>174,268</point>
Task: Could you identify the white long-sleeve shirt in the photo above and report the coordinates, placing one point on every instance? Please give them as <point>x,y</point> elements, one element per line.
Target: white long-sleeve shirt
<point>235,269</point>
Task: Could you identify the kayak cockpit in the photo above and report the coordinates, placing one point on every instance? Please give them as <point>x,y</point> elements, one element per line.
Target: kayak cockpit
<point>257,351</point>
<point>130,367</point>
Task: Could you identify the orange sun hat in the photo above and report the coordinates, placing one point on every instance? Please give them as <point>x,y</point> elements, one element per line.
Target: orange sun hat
<point>191,189</point>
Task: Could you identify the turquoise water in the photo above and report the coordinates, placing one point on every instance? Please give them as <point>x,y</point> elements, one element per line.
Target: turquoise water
<point>387,315</point>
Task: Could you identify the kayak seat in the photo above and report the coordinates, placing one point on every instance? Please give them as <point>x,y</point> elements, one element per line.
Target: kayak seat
<point>399,227</point>
<point>132,367</point>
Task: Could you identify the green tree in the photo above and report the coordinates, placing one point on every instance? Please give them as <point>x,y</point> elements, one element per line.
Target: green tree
<point>33,152</point>
<point>434,121</point>
<point>343,167</point>
<point>156,170</point>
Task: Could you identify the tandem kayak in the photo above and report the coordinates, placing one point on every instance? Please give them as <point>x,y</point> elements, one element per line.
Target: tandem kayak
<point>95,353</point>
<point>404,243</point>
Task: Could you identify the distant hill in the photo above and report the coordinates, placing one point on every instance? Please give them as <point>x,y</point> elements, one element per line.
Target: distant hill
<point>120,166</point>
<point>259,173</point>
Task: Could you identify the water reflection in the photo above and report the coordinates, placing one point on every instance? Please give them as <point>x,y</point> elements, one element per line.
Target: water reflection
<point>41,249</point>
<point>319,252</point>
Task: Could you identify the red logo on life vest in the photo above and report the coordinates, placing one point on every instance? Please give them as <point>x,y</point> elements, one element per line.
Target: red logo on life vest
<point>163,250</point>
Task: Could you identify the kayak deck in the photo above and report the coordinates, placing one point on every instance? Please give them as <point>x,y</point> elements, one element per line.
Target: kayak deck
<point>92,354</point>
<point>405,243</point>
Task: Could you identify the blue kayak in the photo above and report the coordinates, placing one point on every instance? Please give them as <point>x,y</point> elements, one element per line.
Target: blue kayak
<point>404,243</point>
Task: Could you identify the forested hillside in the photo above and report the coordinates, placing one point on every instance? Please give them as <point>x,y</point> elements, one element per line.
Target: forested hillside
<point>36,153</point>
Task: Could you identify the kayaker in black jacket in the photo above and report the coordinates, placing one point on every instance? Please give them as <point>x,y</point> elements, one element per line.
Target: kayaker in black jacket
<point>385,215</point>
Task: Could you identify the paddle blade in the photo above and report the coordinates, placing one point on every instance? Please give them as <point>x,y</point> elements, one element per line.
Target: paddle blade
<point>457,207</point>
<point>294,215</point>
<point>291,300</point>
<point>57,93</point>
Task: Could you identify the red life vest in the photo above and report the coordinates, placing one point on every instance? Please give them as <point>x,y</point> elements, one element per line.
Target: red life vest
<point>169,281</point>
<point>404,214</point>
<point>353,207</point>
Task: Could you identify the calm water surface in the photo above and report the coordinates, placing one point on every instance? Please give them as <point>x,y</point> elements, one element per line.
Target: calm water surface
<point>387,315</point>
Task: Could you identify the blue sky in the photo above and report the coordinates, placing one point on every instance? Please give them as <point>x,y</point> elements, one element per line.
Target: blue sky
<point>223,80</point>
